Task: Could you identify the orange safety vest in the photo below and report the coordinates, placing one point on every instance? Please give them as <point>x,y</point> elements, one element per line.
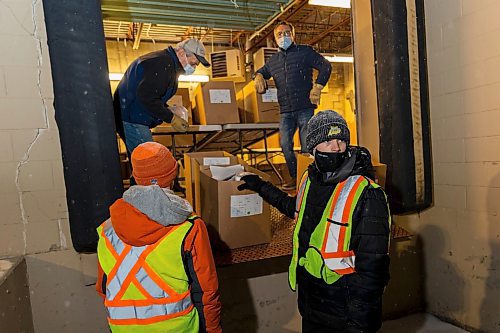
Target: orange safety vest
<point>328,256</point>
<point>143,288</point>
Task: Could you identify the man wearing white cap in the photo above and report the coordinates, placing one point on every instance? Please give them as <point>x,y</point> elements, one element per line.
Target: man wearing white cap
<point>140,100</point>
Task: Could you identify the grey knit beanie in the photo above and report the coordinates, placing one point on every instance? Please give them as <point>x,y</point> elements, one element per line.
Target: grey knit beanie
<point>325,126</point>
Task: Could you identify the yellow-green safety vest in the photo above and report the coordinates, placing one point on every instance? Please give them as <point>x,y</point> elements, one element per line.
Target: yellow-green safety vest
<point>328,256</point>
<point>147,288</point>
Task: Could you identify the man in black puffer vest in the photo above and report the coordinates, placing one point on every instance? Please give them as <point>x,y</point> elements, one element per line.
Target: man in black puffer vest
<point>340,262</point>
<point>291,68</point>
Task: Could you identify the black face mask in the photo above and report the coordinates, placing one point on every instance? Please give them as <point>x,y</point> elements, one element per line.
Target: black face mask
<point>328,161</point>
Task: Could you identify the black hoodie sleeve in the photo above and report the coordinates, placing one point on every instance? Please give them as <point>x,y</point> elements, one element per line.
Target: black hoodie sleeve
<point>279,199</point>
<point>158,76</point>
<point>370,240</point>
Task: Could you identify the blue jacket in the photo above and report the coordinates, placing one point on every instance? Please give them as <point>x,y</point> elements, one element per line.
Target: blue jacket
<point>149,82</point>
<point>292,70</point>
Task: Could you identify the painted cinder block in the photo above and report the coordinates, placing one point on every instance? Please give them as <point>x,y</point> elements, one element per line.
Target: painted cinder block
<point>44,206</point>
<point>11,239</point>
<point>36,176</point>
<point>6,149</point>
<point>480,198</point>
<point>8,177</point>
<point>18,51</point>
<point>22,81</point>
<point>10,208</point>
<point>482,149</point>
<point>22,113</point>
<point>42,237</point>
<point>448,196</point>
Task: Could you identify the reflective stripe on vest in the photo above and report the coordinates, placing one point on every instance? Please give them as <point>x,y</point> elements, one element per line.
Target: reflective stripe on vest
<point>146,312</point>
<point>328,256</point>
<point>299,211</point>
<point>334,250</point>
<point>158,301</point>
<point>300,194</point>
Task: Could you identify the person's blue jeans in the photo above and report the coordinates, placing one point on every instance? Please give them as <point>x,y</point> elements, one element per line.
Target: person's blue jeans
<point>135,134</point>
<point>289,122</point>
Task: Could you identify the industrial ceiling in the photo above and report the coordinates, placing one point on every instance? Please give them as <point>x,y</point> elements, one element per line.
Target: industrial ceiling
<point>227,22</point>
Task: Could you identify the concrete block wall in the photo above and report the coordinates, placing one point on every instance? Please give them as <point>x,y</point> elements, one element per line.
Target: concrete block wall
<point>32,193</point>
<point>461,232</point>
<point>34,220</point>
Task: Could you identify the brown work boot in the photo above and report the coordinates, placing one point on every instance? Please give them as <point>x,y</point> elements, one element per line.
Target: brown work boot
<point>290,185</point>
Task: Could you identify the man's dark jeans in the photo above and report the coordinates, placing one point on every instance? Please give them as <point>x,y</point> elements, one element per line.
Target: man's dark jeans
<point>289,122</point>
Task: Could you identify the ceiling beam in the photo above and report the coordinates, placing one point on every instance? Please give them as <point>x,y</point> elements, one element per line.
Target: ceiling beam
<point>188,31</point>
<point>297,5</point>
<point>130,31</point>
<point>180,21</point>
<point>236,37</point>
<point>205,12</point>
<point>209,30</point>
<point>138,35</point>
<point>218,5</point>
<point>322,35</point>
<point>347,47</point>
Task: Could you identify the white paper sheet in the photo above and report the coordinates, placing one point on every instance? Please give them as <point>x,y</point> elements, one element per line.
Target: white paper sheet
<point>220,96</point>
<point>216,161</point>
<point>246,205</point>
<point>270,96</point>
<point>225,172</point>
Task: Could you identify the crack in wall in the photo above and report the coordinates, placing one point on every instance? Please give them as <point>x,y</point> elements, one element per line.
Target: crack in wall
<point>62,236</point>
<point>25,159</point>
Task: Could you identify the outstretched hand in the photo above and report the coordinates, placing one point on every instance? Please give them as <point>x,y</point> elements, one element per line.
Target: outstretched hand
<point>251,182</point>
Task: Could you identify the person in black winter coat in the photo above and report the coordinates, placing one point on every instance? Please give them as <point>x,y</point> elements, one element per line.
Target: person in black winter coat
<point>353,302</point>
<point>140,100</point>
<point>292,70</point>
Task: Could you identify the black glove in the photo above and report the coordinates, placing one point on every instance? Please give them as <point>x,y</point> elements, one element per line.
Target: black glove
<point>252,183</point>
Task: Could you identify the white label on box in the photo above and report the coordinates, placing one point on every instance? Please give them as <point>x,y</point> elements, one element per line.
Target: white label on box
<point>220,96</point>
<point>216,161</point>
<point>270,96</point>
<point>246,205</point>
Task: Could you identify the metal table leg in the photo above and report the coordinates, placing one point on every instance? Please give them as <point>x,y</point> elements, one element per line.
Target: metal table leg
<point>266,153</point>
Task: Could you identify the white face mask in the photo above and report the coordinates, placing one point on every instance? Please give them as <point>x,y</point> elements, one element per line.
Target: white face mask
<point>189,69</point>
<point>284,42</point>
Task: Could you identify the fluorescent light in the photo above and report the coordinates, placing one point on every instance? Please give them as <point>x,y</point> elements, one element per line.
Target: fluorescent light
<point>339,58</point>
<point>193,78</point>
<point>331,3</point>
<point>115,76</point>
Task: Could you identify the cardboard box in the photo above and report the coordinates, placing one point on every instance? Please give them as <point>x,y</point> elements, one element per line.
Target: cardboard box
<point>215,104</point>
<point>261,108</point>
<point>380,173</point>
<point>181,97</point>
<point>303,161</point>
<point>239,218</point>
<point>192,164</point>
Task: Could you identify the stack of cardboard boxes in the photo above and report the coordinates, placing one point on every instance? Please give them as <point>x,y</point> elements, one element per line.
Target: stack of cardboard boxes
<point>258,108</point>
<point>215,104</point>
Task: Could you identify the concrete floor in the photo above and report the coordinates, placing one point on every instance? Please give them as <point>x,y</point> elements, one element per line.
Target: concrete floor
<point>417,323</point>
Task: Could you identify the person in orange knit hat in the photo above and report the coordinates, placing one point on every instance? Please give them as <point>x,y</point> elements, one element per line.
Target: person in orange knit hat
<point>147,283</point>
